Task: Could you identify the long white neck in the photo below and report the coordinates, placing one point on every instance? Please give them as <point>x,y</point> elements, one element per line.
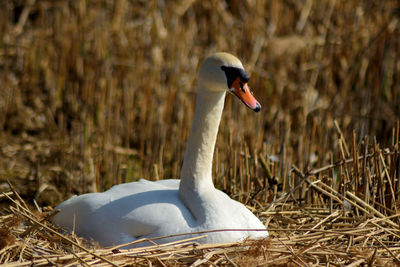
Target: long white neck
<point>197,163</point>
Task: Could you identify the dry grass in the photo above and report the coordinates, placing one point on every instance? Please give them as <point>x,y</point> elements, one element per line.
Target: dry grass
<point>95,93</point>
<point>338,229</point>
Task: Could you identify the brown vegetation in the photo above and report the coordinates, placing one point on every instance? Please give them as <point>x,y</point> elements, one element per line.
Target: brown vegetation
<point>96,93</point>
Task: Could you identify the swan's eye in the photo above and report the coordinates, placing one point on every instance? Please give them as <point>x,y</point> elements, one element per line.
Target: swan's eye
<point>232,73</point>
<point>242,87</point>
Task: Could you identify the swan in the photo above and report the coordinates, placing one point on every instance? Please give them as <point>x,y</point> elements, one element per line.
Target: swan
<point>146,209</point>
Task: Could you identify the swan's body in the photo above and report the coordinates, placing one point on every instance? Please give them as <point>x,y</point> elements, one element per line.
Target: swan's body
<point>146,209</point>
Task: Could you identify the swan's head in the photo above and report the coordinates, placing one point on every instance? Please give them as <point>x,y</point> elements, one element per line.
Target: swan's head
<point>224,72</point>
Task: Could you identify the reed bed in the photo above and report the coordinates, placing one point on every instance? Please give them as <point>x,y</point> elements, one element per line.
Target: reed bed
<point>96,93</point>
<point>314,223</point>
<point>339,228</point>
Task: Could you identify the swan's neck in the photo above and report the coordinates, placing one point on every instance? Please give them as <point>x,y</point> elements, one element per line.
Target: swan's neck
<point>197,163</point>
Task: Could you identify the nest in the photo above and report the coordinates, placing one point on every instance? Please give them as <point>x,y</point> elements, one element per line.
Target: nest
<point>300,236</point>
<point>342,214</point>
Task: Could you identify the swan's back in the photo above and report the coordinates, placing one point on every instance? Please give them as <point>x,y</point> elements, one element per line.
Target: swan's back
<point>126,212</point>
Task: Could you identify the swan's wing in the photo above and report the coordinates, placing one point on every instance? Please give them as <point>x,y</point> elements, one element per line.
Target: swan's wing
<point>126,212</point>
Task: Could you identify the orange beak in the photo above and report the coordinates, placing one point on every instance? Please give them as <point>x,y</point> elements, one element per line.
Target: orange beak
<point>242,91</point>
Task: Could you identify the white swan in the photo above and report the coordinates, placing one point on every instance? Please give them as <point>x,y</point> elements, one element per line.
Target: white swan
<point>145,209</point>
